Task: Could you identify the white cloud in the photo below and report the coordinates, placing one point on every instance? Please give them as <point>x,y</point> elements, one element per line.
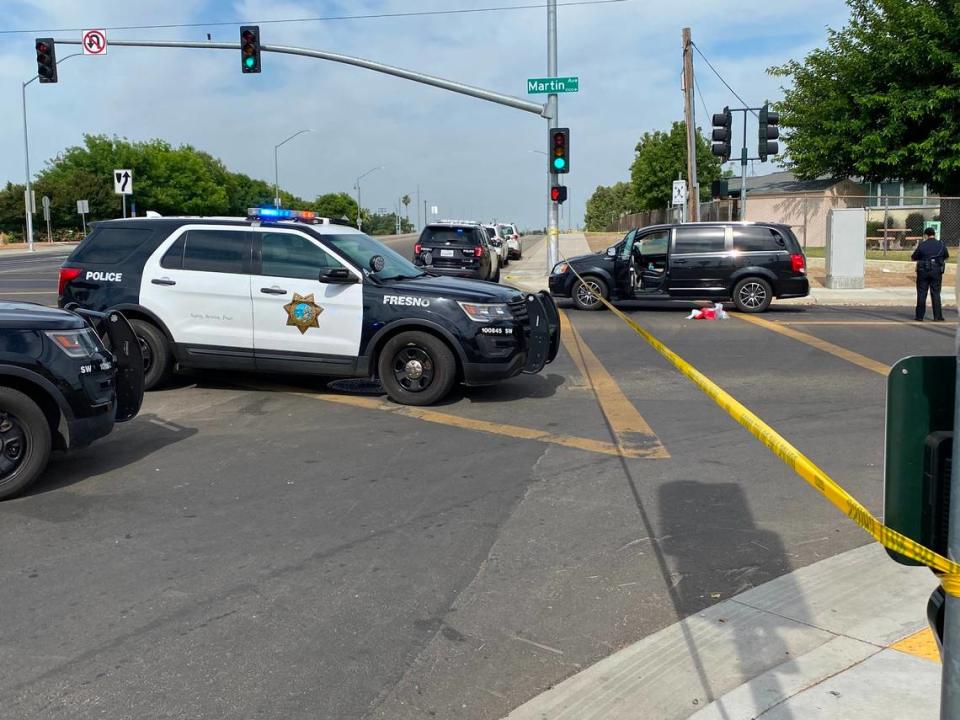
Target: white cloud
<point>470,158</point>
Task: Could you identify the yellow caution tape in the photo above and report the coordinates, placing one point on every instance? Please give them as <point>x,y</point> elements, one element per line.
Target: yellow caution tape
<point>947,570</point>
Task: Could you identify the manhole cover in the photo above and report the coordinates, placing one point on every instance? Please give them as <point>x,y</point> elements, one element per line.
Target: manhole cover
<point>357,386</point>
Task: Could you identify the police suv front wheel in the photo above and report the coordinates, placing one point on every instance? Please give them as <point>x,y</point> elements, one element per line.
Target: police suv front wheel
<point>157,358</point>
<point>24,441</point>
<point>416,368</point>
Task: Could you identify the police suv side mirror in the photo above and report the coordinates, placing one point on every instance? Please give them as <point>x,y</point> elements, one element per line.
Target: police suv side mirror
<point>338,276</point>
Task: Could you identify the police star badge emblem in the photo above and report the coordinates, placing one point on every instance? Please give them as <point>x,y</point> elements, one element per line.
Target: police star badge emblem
<point>302,312</point>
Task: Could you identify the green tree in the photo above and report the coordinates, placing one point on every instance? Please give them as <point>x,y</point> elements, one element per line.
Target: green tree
<point>406,200</point>
<point>336,205</point>
<point>385,224</point>
<point>661,157</point>
<point>607,204</point>
<point>11,210</point>
<point>882,99</point>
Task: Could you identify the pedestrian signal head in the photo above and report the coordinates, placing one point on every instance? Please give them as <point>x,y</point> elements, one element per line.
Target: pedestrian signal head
<point>558,193</point>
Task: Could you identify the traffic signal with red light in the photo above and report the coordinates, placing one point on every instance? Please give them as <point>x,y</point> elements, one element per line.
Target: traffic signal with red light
<point>46,60</point>
<point>558,193</point>
<point>722,134</point>
<point>769,132</point>
<point>250,48</point>
<point>560,150</point>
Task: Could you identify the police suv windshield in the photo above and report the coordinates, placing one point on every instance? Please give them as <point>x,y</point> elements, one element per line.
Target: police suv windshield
<point>360,248</point>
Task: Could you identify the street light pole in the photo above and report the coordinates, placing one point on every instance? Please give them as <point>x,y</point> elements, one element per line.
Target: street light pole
<point>27,197</point>
<point>276,166</point>
<point>357,186</point>
<point>553,209</point>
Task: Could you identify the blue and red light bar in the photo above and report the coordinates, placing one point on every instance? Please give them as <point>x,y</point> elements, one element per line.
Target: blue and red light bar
<point>272,213</point>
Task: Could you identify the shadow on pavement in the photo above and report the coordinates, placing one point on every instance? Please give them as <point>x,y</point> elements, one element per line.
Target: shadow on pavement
<point>715,551</point>
<point>128,444</point>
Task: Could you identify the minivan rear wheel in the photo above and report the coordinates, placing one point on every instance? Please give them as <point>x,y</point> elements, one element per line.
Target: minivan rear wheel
<point>752,295</point>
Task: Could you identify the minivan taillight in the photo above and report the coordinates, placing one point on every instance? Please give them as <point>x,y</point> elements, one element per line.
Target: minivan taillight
<point>478,251</point>
<point>797,263</point>
<point>67,275</point>
<point>417,249</point>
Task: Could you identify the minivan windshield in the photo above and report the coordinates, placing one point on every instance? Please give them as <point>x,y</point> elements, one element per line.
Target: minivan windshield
<point>359,248</point>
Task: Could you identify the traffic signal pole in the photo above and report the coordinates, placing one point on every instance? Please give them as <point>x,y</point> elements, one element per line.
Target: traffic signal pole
<point>27,197</point>
<point>553,208</point>
<point>950,678</point>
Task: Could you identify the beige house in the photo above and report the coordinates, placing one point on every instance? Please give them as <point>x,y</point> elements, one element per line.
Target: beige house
<point>802,204</point>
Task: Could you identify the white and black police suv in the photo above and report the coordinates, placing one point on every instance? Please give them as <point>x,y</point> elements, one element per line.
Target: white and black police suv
<point>284,291</point>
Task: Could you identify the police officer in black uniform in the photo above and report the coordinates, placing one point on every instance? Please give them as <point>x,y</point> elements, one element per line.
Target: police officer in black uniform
<point>931,256</point>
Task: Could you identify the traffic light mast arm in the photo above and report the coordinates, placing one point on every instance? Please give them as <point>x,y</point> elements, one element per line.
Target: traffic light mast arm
<point>423,78</point>
<point>65,57</point>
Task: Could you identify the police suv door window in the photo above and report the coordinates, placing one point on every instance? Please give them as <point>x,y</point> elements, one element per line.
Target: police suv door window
<point>296,317</point>
<point>293,256</point>
<point>199,287</point>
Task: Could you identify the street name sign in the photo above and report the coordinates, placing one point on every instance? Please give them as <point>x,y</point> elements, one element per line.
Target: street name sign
<point>94,42</point>
<point>123,182</point>
<point>553,85</point>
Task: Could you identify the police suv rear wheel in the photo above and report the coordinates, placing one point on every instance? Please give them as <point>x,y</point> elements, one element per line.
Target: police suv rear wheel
<point>24,441</point>
<point>157,359</point>
<point>416,368</point>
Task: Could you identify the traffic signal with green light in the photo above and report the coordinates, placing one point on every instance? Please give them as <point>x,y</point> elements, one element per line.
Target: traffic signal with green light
<point>558,193</point>
<point>722,134</point>
<point>769,132</point>
<point>46,60</point>
<point>250,48</point>
<point>560,150</point>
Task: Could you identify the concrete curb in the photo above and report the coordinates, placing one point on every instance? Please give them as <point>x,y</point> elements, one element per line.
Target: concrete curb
<point>763,648</point>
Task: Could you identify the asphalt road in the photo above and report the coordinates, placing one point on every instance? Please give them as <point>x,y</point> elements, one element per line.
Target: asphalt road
<point>256,550</point>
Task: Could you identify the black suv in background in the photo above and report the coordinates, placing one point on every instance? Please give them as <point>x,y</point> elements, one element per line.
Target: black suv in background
<point>460,249</point>
<point>60,387</point>
<point>749,263</point>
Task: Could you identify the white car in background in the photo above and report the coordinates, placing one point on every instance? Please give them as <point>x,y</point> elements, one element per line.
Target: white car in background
<point>508,231</point>
<point>498,243</point>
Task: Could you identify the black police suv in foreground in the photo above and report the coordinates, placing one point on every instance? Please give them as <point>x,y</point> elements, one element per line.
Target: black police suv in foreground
<point>283,292</point>
<point>750,263</point>
<point>460,249</point>
<point>60,387</point>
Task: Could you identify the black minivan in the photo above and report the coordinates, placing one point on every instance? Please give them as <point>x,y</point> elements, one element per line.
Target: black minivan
<point>749,263</point>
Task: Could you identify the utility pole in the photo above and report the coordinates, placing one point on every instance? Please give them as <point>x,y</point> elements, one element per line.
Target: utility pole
<point>690,117</point>
<point>553,209</point>
<point>419,226</point>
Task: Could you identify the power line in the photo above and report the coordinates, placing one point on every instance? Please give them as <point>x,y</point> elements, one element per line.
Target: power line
<point>715,72</point>
<point>706,112</point>
<point>327,18</point>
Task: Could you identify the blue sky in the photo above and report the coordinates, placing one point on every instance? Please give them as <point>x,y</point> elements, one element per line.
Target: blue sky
<point>470,158</point>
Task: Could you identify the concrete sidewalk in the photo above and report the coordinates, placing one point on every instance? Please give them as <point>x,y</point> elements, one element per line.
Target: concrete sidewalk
<point>531,272</point>
<point>845,639</point>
